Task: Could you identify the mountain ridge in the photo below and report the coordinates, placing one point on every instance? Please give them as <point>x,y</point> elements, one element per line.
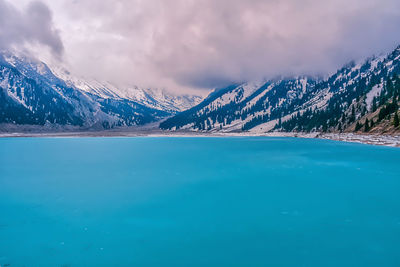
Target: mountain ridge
<point>303,103</point>
<point>32,93</point>
<point>359,97</point>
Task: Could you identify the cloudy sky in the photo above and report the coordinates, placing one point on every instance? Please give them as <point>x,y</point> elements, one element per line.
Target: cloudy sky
<point>183,45</point>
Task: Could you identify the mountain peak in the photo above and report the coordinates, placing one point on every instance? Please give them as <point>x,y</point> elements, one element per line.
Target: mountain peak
<point>33,93</point>
<point>299,103</point>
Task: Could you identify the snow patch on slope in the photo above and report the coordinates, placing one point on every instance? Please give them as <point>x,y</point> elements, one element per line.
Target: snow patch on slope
<point>375,91</point>
<point>152,98</point>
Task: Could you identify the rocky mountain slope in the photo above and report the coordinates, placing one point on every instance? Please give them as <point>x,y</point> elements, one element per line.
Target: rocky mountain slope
<point>348,100</point>
<point>152,98</point>
<point>33,94</point>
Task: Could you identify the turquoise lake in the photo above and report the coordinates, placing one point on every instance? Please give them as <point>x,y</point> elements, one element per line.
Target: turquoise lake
<point>162,201</point>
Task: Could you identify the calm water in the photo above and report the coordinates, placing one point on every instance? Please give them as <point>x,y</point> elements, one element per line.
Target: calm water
<point>198,201</point>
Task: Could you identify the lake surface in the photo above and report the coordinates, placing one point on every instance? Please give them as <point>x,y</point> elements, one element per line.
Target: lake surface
<point>251,201</point>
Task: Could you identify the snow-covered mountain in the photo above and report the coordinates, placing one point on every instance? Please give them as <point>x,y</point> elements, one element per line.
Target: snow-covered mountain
<point>152,98</point>
<point>33,93</point>
<point>358,97</point>
<point>347,100</point>
<point>233,107</point>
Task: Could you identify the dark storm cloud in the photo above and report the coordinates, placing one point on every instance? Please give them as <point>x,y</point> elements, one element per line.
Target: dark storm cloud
<point>33,25</point>
<point>242,40</point>
<point>209,43</point>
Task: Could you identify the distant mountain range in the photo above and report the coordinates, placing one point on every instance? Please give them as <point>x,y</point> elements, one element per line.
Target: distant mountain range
<point>358,97</point>
<point>31,93</point>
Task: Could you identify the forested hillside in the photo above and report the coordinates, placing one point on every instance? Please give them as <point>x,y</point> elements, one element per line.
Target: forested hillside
<point>358,97</point>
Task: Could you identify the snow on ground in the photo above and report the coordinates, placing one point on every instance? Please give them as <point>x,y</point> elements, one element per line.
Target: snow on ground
<point>268,126</point>
<point>375,91</point>
<point>383,140</point>
<point>153,98</point>
<point>258,97</point>
<point>34,131</point>
<point>250,87</point>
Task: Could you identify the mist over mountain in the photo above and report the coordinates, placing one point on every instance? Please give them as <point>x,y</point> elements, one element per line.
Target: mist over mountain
<point>278,65</point>
<point>358,97</point>
<point>33,94</point>
<point>188,46</point>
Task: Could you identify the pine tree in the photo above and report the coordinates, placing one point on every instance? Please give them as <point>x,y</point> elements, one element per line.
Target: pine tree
<point>396,120</point>
<point>366,126</point>
<point>358,126</point>
<point>364,111</point>
<point>344,118</point>
<point>353,114</point>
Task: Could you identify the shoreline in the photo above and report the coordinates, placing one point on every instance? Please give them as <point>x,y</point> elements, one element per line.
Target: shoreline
<point>370,139</point>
